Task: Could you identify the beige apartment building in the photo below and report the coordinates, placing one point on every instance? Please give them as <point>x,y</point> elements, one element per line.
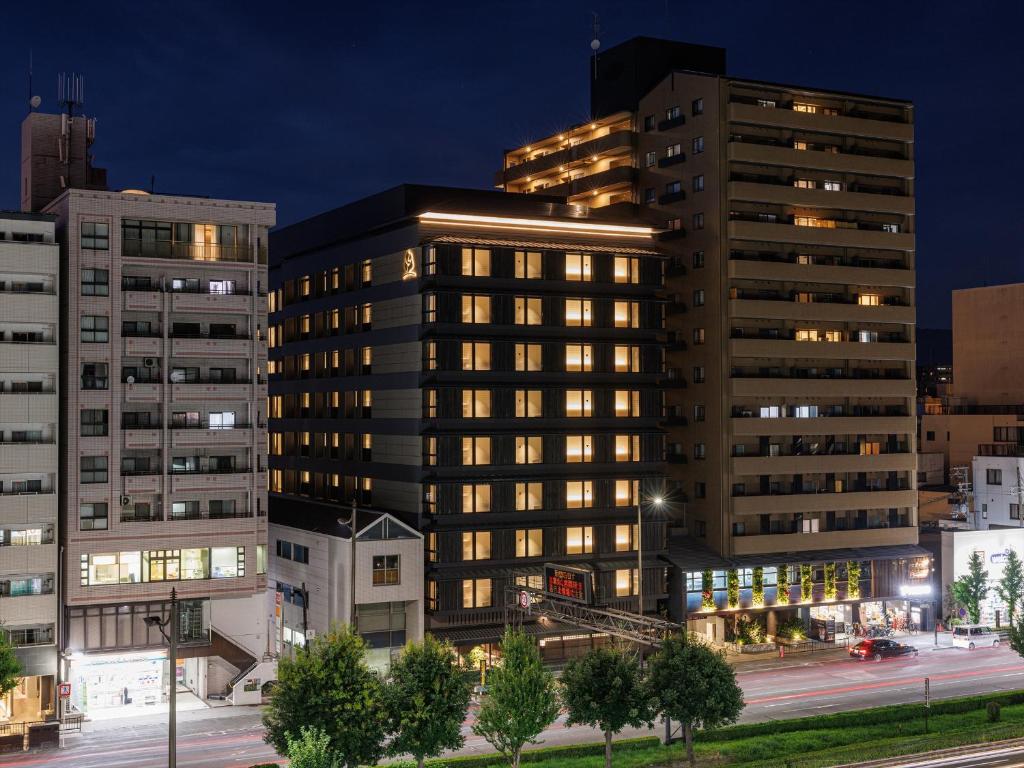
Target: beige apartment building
<point>789,384</point>
<point>29,266</point>
<point>163,431</point>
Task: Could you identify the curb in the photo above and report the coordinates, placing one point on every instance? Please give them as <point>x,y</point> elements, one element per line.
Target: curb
<point>938,754</point>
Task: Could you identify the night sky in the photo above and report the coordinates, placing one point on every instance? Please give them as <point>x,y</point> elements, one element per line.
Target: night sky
<point>312,107</point>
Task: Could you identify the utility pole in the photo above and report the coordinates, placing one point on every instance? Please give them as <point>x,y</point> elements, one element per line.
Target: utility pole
<point>172,750</point>
<point>352,570</point>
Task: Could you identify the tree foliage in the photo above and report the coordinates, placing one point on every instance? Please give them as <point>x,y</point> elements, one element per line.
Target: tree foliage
<point>707,586</point>
<point>1010,587</point>
<point>522,698</point>
<point>605,689</point>
<point>427,699</point>
<point>694,685</point>
<point>830,581</point>
<point>757,586</point>
<point>328,686</point>
<point>853,580</point>
<point>732,584</point>
<point>806,583</point>
<point>10,667</point>
<point>312,749</point>
<point>782,585</point>
<point>971,589</point>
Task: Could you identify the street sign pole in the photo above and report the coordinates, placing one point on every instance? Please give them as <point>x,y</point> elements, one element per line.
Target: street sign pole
<point>927,701</point>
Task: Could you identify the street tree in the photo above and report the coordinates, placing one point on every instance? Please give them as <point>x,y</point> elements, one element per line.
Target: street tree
<point>1010,587</point>
<point>427,699</point>
<point>312,749</point>
<point>693,685</point>
<point>10,667</point>
<point>328,686</point>
<point>971,589</point>
<point>605,689</point>
<point>521,701</point>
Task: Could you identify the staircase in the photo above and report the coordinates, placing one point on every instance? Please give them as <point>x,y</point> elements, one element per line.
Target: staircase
<point>234,654</point>
<point>247,686</point>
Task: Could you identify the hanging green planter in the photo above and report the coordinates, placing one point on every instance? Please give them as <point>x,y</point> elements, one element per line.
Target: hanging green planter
<point>853,580</point>
<point>782,588</point>
<point>707,584</point>
<point>757,586</point>
<point>806,584</point>
<point>733,583</point>
<point>830,581</point>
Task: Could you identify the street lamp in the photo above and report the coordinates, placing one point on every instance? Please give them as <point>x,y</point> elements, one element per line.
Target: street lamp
<point>172,642</point>
<point>351,523</point>
<point>656,501</point>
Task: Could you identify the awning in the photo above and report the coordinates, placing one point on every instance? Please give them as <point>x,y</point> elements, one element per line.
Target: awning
<point>551,246</point>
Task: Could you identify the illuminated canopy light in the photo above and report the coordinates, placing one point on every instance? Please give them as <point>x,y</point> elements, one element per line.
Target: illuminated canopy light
<point>915,590</point>
<point>537,225</point>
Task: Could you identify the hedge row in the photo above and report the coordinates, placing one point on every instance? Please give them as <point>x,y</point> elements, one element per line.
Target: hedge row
<point>537,755</point>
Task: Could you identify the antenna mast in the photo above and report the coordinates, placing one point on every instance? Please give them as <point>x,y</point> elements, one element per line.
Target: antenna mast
<point>595,43</point>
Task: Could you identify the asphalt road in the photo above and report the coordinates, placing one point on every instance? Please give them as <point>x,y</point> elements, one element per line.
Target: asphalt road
<point>988,756</point>
<point>233,737</point>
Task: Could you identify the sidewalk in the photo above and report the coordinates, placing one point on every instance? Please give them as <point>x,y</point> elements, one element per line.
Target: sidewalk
<point>760,662</point>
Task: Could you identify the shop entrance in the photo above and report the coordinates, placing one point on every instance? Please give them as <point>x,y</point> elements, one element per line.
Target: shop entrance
<point>122,685</point>
<point>30,701</point>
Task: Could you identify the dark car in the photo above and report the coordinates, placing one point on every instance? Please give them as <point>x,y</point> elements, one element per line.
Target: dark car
<point>879,649</point>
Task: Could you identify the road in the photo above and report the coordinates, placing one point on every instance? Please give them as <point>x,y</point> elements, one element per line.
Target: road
<point>233,737</point>
<point>987,756</point>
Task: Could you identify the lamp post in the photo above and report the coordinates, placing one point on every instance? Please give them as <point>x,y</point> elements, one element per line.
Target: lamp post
<point>172,652</point>
<point>657,501</point>
<point>352,569</point>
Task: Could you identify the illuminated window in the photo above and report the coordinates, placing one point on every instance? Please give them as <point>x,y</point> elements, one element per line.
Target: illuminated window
<point>812,221</point>
<point>476,450</point>
<point>579,540</point>
<point>577,267</point>
<point>529,403</point>
<point>367,314</point>
<point>528,357</point>
<point>625,582</point>
<point>627,358</point>
<point>832,186</point>
<point>476,262</point>
<point>476,498</point>
<point>869,299</point>
<point>528,265</point>
<point>431,356</point>
<point>627,269</point>
<point>627,447</point>
<point>627,314</point>
<point>431,403</point>
<point>870,448</point>
<point>529,496</point>
<point>529,450</point>
<point>305,285</point>
<point>476,403</point>
<point>579,494</point>
<point>367,273</point>
<point>476,309</point>
<point>431,451</point>
<point>579,402</point>
<point>578,312</point>
<point>476,593</point>
<point>476,545</point>
<point>335,319</point>
<point>625,537</point>
<point>476,356</point>
<point>529,542</point>
<point>367,359</point>
<point>528,311</point>
<point>579,448</point>
<point>627,403</point>
<point>799,106</point>
<point>430,309</point>
<point>579,357</point>
<point>813,334</point>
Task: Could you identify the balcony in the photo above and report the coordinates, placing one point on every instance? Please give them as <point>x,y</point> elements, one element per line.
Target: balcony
<point>824,425</point>
<point>210,391</point>
<point>787,503</point>
<point>20,407</point>
<point>840,237</point>
<point>804,542</point>
<point>40,307</point>
<point>142,393</point>
<point>847,272</point>
<point>138,300</point>
<point>147,484</point>
<point>239,479</point>
<point>195,437</point>
<point>829,463</point>
<point>673,160</point>
<point>211,346</point>
<point>212,303</point>
<point>142,346</point>
<point>27,457</point>
<point>820,350</point>
<point>205,514</point>
<point>820,123</point>
<point>671,122</point>
<point>765,386</point>
<point>671,197</point>
<point>780,193</point>
<point>615,143</point>
<point>148,438</point>
<point>623,174</point>
<point>40,506</point>
<point>784,155</point>
<point>164,249</point>
<point>833,311</point>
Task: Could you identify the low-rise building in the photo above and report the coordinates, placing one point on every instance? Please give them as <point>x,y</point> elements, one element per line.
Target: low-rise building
<point>311,577</point>
<point>998,491</point>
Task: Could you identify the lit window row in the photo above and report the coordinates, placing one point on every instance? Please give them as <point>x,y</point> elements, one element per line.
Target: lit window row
<point>162,565</point>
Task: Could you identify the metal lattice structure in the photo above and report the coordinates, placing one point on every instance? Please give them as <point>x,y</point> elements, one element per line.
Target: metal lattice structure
<point>646,630</point>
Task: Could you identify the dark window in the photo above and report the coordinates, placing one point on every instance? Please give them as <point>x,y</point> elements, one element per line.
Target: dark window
<point>672,113</point>
<point>698,221</point>
<point>698,259</point>
<point>929,435</point>
<point>650,158</point>
<point>698,183</point>
<point>95,282</point>
<point>96,235</point>
<point>92,517</point>
<point>698,145</point>
<point>94,423</point>
<point>94,376</point>
<point>698,374</point>
<point>284,549</point>
<point>648,122</point>
<point>95,328</point>
<point>700,490</point>
<point>994,476</point>
<point>93,469</point>
<point>698,107</point>
<point>673,187</point>
<point>300,554</point>
<point>698,297</point>
<point>649,195</point>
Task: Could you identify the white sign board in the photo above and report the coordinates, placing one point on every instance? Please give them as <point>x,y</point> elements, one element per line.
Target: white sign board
<point>992,545</point>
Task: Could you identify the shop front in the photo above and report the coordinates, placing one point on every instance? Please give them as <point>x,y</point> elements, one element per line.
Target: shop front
<point>135,681</point>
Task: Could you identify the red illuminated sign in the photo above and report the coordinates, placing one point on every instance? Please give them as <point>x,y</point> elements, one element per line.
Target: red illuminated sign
<point>574,584</point>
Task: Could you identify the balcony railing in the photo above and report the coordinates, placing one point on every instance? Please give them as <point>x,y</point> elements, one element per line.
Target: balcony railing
<point>130,516</point>
<point>215,427</point>
<point>39,441</point>
<point>819,261</point>
<point>885,450</point>
<point>790,490</point>
<point>208,515</point>
<point>209,471</point>
<point>164,249</point>
<point>207,335</point>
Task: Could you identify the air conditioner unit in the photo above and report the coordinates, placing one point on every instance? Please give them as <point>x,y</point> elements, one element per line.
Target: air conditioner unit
<point>126,500</point>
<point>149,362</point>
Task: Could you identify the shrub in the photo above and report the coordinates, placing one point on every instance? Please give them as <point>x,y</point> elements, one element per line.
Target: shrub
<point>782,591</point>
<point>733,585</point>
<point>806,583</point>
<point>992,711</point>
<point>853,580</point>
<point>830,581</point>
<point>791,629</point>
<point>707,584</point>
<point>757,586</point>
<point>749,631</point>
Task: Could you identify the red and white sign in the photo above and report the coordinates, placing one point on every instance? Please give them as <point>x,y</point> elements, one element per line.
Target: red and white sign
<point>64,690</point>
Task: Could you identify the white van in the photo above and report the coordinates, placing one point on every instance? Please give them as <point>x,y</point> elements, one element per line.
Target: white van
<point>974,636</point>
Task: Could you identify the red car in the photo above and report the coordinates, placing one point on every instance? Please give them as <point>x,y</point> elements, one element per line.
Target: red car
<point>879,648</point>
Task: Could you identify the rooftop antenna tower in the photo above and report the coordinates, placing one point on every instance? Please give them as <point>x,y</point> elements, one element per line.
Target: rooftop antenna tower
<point>70,92</point>
<point>595,43</point>
<point>33,100</point>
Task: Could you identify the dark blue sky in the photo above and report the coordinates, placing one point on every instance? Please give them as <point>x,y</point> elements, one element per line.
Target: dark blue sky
<point>312,106</point>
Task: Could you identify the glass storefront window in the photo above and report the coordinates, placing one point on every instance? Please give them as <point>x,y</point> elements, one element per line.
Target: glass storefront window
<point>164,565</point>
<point>227,562</point>
<point>194,563</point>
